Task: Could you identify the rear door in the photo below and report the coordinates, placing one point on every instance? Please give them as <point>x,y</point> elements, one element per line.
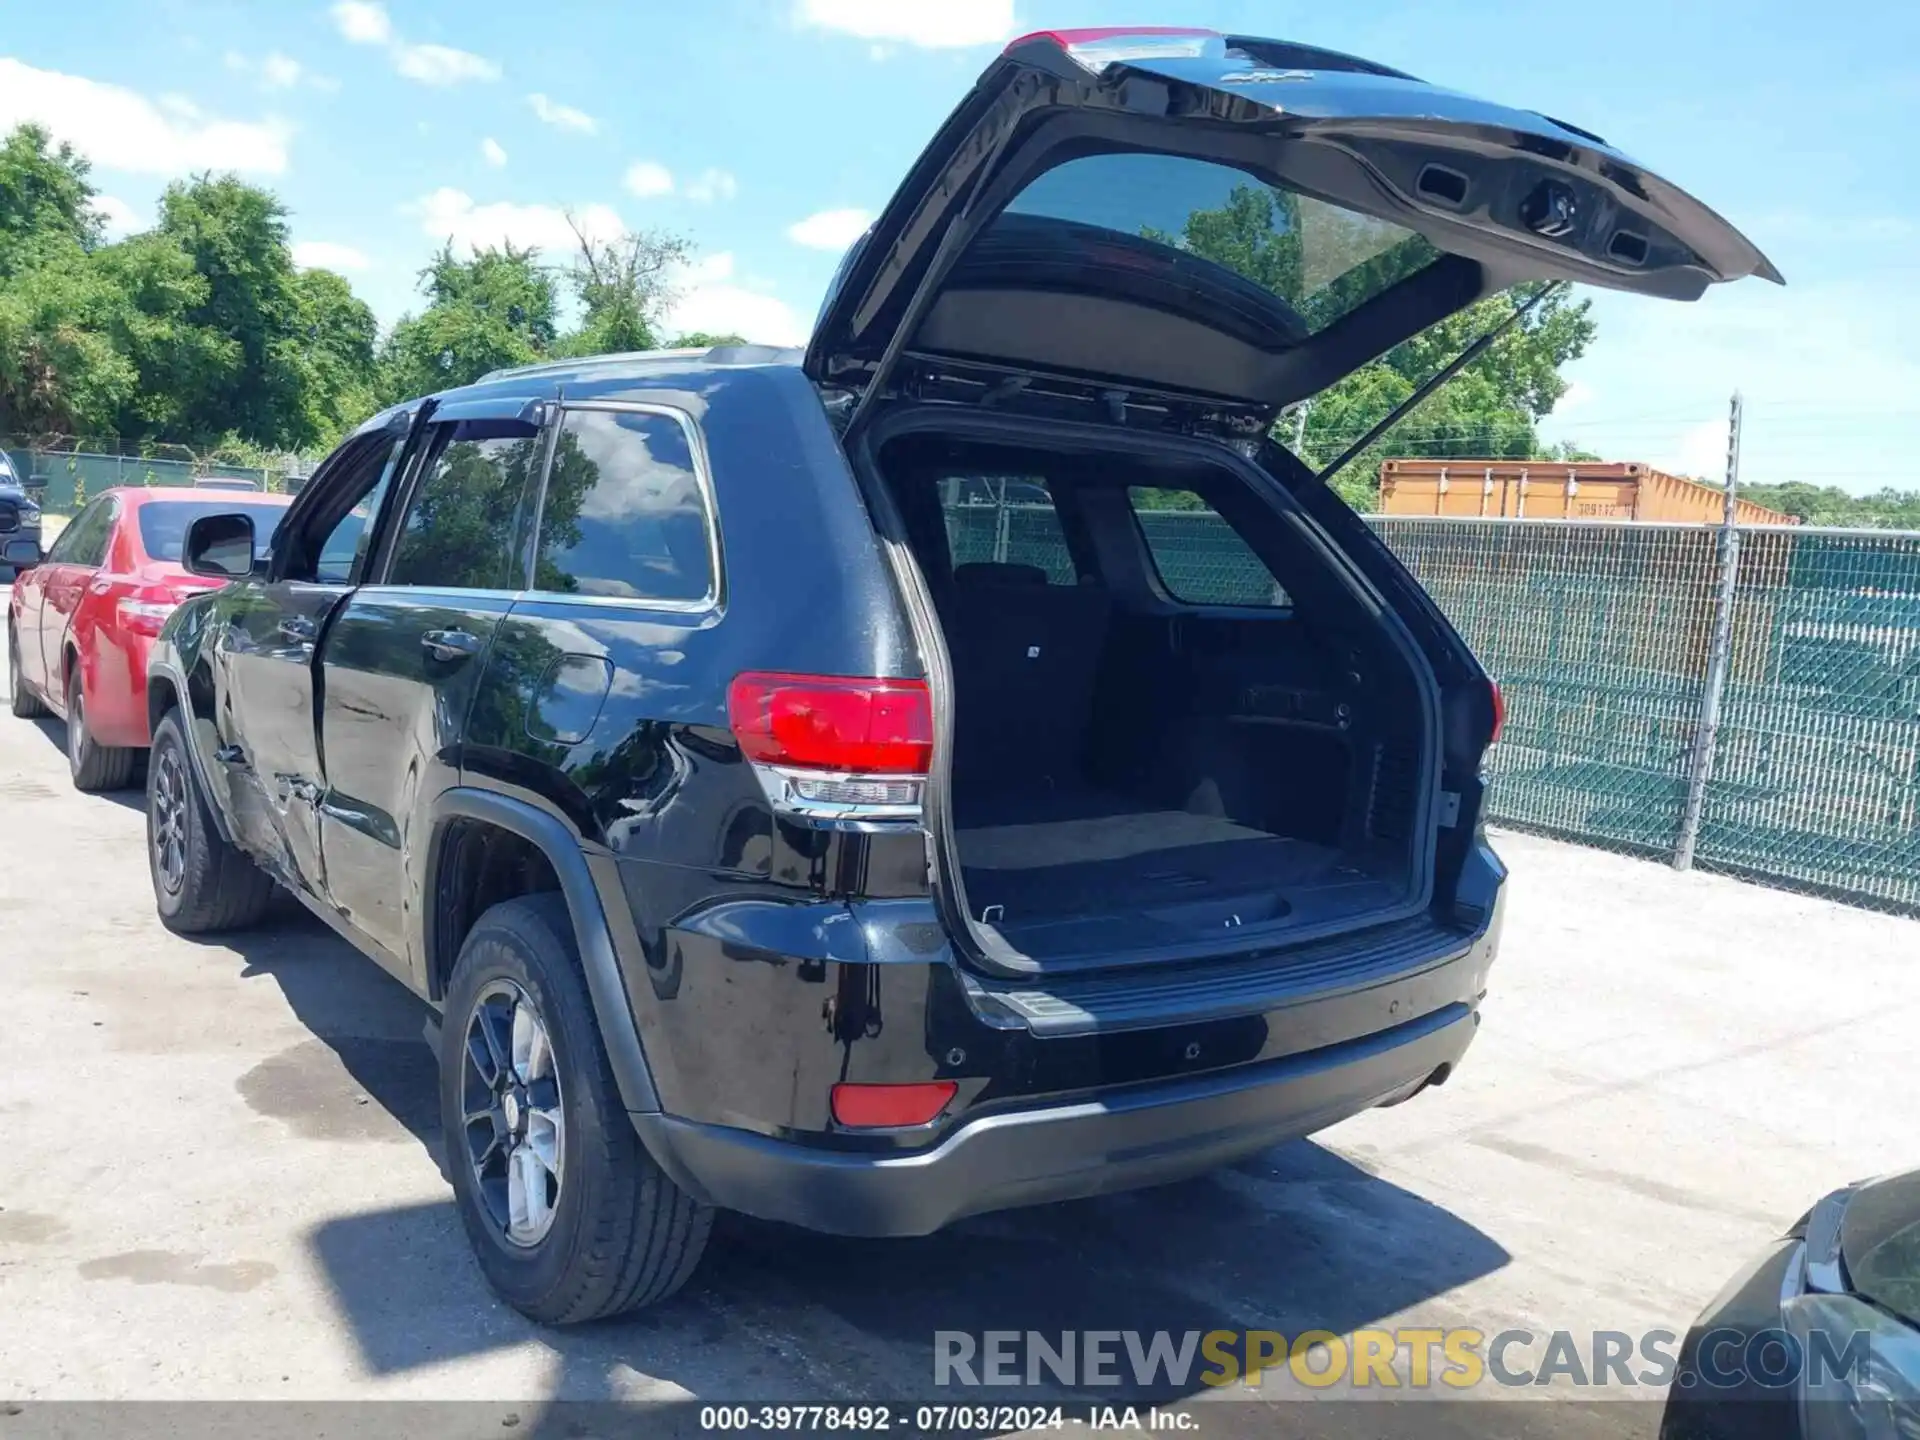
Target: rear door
<point>1203,215</point>
<point>402,658</point>
<point>65,586</point>
<point>266,631</point>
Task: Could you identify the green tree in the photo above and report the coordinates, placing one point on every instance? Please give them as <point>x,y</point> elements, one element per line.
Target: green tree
<point>236,235</point>
<point>1324,261</point>
<point>338,339</point>
<point>622,284</point>
<point>151,292</point>
<point>703,340</point>
<point>45,199</point>
<point>60,371</point>
<point>1830,505</point>
<point>495,309</point>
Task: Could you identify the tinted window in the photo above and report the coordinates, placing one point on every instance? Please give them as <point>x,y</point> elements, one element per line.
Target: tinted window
<point>1005,519</point>
<point>163,523</point>
<point>84,542</point>
<point>1321,259</point>
<point>343,553</point>
<point>462,514</point>
<point>623,513</point>
<point>1200,557</point>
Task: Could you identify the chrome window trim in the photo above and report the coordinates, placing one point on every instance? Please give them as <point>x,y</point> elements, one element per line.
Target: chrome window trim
<point>714,599</point>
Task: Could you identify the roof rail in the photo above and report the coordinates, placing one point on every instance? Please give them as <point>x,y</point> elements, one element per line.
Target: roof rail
<point>548,367</point>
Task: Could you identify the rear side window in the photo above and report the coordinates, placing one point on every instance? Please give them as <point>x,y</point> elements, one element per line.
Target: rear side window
<point>1201,559</point>
<point>1005,520</point>
<point>163,523</point>
<point>625,515</point>
<point>461,517</point>
<point>84,542</point>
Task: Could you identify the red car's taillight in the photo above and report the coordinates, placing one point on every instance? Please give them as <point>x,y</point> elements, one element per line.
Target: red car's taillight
<point>1499,711</point>
<point>833,722</point>
<point>144,614</point>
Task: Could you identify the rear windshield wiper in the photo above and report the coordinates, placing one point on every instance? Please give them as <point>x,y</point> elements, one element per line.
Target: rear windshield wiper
<point>1434,381</point>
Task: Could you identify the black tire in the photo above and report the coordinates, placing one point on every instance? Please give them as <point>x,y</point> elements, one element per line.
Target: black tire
<point>94,767</point>
<point>216,887</point>
<point>622,1235</point>
<point>26,704</point>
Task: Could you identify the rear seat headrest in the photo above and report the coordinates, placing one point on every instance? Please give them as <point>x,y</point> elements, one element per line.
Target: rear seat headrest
<point>998,572</point>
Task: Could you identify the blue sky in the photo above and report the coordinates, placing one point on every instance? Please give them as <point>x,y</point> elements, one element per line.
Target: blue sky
<point>766,129</point>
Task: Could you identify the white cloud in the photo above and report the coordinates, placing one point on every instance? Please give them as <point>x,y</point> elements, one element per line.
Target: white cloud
<point>281,71</point>
<point>1827,367</point>
<point>830,229</point>
<point>932,23</point>
<point>711,185</point>
<point>442,64</point>
<point>711,302</point>
<point>492,153</point>
<point>120,129</point>
<point>362,22</point>
<point>449,214</point>
<point>563,117</point>
<point>276,71</point>
<point>328,255</point>
<point>120,219</point>
<point>648,179</point>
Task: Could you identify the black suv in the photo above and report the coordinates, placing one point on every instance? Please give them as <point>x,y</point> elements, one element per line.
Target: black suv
<point>964,765</point>
<point>19,519</point>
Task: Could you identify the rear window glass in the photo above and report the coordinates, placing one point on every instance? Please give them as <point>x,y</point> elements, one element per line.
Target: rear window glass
<point>1005,520</point>
<point>163,523</point>
<point>1201,559</point>
<point>624,515</point>
<point>1321,259</point>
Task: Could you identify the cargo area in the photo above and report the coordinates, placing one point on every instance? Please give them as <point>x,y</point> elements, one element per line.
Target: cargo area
<point>1151,761</point>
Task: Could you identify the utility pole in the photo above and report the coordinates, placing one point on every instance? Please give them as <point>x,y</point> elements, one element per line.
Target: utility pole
<point>1300,427</point>
<point>1719,654</point>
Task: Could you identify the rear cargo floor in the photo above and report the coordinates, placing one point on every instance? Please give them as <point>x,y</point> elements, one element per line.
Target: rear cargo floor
<point>1099,873</point>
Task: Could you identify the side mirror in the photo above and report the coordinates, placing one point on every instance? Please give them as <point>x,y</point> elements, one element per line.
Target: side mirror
<point>220,546</point>
<point>34,484</point>
<point>23,555</point>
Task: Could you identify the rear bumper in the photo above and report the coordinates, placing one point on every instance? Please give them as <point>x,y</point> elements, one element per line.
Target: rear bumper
<point>1136,1136</point>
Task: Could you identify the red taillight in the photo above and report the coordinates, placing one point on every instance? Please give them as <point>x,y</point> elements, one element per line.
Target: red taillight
<point>1499,711</point>
<point>1096,35</point>
<point>833,722</point>
<point>146,612</point>
<point>873,1105</point>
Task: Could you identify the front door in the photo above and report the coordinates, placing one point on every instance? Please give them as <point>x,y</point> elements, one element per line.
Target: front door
<point>401,662</point>
<point>267,637</point>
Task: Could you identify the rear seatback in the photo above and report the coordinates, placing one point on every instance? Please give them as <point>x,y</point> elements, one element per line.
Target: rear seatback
<point>1025,655</point>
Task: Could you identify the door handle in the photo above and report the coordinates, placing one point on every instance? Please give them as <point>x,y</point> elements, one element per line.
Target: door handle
<point>450,645</point>
<point>297,628</point>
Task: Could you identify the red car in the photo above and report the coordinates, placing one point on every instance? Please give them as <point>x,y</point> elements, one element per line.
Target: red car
<point>80,623</point>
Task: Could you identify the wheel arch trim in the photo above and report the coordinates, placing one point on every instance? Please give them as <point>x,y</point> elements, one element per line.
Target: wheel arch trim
<point>618,1030</point>
<point>161,675</point>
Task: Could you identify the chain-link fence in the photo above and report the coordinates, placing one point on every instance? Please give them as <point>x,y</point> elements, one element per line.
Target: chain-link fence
<point>1601,635</point>
<point>73,476</point>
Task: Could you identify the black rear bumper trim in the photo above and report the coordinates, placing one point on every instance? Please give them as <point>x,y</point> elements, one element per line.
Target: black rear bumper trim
<point>1143,1135</point>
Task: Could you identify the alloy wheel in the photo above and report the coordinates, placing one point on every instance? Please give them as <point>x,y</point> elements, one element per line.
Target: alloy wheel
<point>167,813</point>
<point>511,1113</point>
<point>76,728</point>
